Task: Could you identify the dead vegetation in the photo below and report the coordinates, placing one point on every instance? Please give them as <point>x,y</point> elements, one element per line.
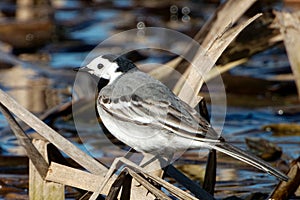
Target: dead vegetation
<point>48,177</point>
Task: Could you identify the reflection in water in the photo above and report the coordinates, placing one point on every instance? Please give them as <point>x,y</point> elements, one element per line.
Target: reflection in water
<point>32,92</point>
<point>30,10</point>
<point>86,26</point>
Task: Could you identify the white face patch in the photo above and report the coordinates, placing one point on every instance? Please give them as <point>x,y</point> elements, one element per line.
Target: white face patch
<point>103,68</point>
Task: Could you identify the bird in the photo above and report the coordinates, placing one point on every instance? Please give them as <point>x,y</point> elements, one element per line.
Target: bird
<point>146,115</point>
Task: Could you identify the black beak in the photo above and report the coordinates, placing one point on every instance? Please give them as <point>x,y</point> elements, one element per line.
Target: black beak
<point>81,69</point>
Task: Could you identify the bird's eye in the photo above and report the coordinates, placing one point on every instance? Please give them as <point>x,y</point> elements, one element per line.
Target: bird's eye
<point>100,66</point>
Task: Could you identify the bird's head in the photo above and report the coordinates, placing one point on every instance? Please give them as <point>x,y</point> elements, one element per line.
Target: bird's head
<point>108,67</point>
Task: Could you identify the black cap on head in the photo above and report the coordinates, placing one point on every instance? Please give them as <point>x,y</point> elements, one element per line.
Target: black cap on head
<point>124,64</point>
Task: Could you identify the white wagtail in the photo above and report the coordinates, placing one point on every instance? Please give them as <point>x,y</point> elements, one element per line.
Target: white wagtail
<point>146,115</point>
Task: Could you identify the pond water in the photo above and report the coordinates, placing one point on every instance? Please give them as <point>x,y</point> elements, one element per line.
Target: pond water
<point>43,79</point>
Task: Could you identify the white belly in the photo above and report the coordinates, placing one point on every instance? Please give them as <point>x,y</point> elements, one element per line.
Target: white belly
<point>144,138</point>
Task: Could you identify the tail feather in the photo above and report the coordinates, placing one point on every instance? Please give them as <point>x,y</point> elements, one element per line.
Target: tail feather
<point>248,158</point>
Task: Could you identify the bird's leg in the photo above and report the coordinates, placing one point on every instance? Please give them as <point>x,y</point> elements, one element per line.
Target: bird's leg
<point>107,176</point>
<point>111,171</point>
<point>155,163</point>
<point>169,160</point>
<point>148,159</point>
<point>129,153</point>
<point>115,166</point>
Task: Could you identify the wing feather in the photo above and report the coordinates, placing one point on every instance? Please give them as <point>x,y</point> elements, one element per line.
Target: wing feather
<point>181,120</point>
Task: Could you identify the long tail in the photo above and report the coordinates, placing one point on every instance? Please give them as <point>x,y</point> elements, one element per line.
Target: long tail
<point>248,158</point>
